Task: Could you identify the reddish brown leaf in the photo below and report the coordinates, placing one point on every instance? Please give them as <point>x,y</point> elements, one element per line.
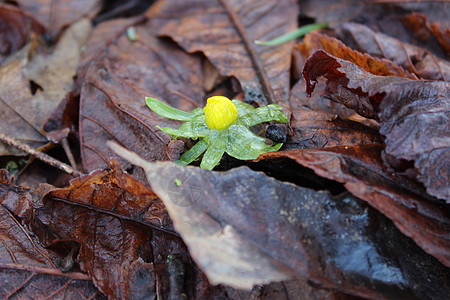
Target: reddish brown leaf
<point>118,194</point>
<point>16,29</point>
<point>122,256</point>
<point>243,227</point>
<point>57,15</point>
<point>434,35</point>
<point>225,30</point>
<point>411,114</point>
<point>113,96</point>
<point>362,171</point>
<point>316,41</point>
<point>30,271</point>
<point>317,122</point>
<point>412,58</point>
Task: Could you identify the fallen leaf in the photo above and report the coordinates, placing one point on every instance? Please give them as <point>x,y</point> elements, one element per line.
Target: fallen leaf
<point>30,271</point>
<point>362,171</point>
<point>113,96</point>
<point>244,228</point>
<point>25,107</point>
<point>55,16</point>
<point>318,122</point>
<point>123,230</point>
<point>225,32</point>
<point>411,114</point>
<point>316,41</point>
<point>412,58</point>
<point>16,29</point>
<point>432,35</point>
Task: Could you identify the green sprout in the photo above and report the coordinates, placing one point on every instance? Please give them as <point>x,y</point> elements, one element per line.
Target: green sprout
<point>221,126</point>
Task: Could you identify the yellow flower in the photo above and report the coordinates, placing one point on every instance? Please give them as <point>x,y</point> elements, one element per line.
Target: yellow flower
<point>220,113</point>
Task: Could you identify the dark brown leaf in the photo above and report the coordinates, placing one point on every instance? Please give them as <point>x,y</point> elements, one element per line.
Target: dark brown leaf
<point>382,16</point>
<point>412,58</point>
<point>412,114</point>
<point>243,227</point>
<point>225,32</point>
<point>16,29</point>
<point>113,96</point>
<point>30,271</point>
<point>57,15</point>
<point>362,171</point>
<point>118,223</point>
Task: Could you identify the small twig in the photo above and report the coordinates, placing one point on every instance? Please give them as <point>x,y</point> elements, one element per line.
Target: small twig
<point>44,270</point>
<point>40,155</point>
<point>65,144</point>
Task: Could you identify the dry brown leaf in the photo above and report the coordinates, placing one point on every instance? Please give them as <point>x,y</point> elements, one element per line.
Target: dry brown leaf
<point>225,32</point>
<point>55,16</point>
<point>16,29</point>
<point>31,90</point>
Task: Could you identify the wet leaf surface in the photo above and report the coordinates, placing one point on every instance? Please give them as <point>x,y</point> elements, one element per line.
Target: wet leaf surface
<point>225,30</point>
<point>317,123</point>
<point>117,223</point>
<point>411,114</point>
<point>361,169</point>
<point>56,16</point>
<point>289,231</point>
<point>112,97</point>
<point>27,270</point>
<point>353,208</point>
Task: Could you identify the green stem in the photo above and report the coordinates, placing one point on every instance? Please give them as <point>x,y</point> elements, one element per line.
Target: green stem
<point>293,34</point>
<point>192,153</point>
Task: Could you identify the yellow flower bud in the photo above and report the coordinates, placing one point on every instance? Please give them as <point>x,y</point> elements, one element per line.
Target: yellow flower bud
<point>220,113</point>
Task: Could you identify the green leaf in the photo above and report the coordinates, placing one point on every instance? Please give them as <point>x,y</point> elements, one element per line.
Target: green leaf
<point>167,111</point>
<point>188,130</point>
<point>245,145</point>
<point>243,108</point>
<point>215,151</point>
<point>271,112</point>
<point>293,34</point>
<point>193,153</point>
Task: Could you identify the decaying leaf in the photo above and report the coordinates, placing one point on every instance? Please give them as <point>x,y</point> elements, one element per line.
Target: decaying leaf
<point>55,16</point>
<point>31,90</point>
<point>122,229</point>
<point>412,114</point>
<point>412,58</point>
<point>403,201</point>
<point>112,104</point>
<point>317,122</point>
<point>240,224</point>
<point>16,29</point>
<point>225,30</point>
<point>27,270</point>
<point>316,41</point>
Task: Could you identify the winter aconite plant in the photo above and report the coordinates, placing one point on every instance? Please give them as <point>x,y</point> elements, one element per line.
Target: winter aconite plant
<point>221,126</point>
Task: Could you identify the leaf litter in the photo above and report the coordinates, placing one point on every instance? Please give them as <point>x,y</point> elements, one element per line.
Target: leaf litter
<point>381,234</point>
